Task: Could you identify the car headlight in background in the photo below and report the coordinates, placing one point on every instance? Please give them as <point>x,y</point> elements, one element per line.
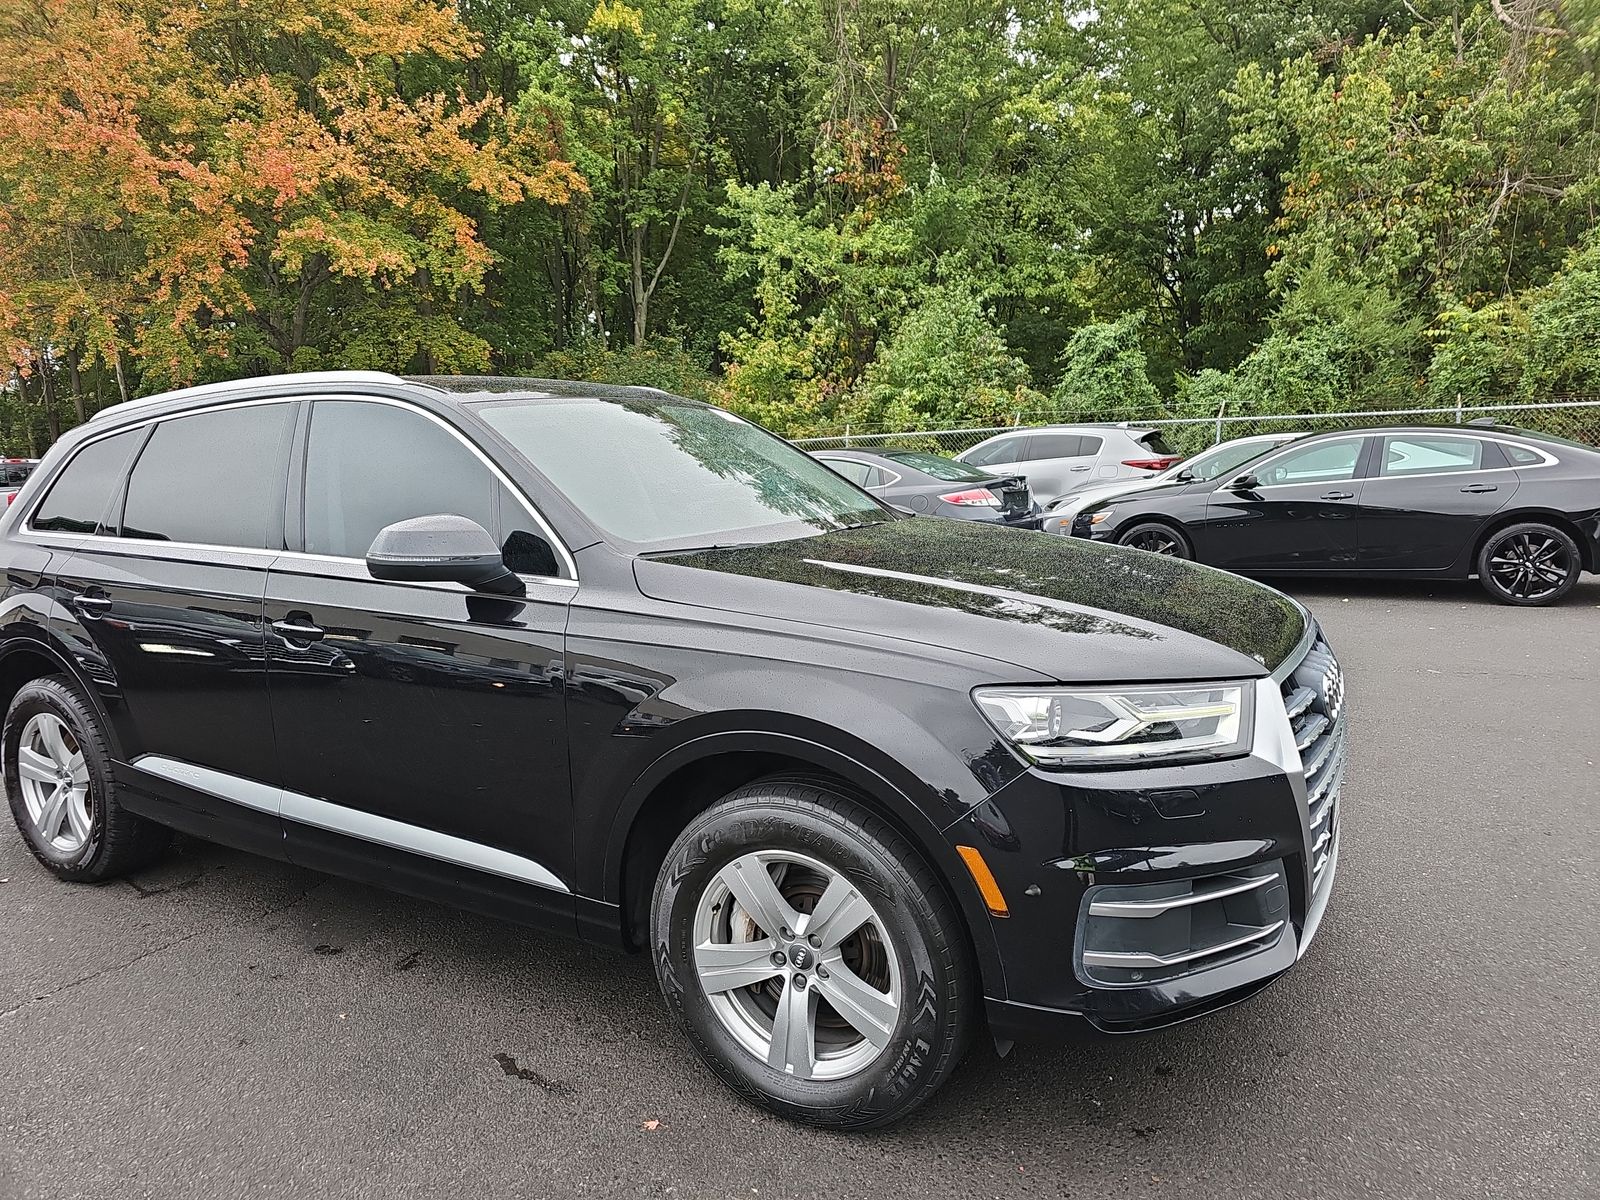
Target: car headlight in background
<point>1107,726</point>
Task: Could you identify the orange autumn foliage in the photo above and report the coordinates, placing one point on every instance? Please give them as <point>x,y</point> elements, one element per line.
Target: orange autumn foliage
<point>177,176</point>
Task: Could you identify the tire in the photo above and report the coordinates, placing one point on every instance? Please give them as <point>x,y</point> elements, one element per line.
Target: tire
<point>89,836</point>
<point>1156,537</point>
<point>1529,564</point>
<point>910,948</point>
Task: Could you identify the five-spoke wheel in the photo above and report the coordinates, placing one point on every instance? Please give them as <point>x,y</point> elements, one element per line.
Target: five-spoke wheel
<point>797,965</point>
<point>815,960</point>
<point>63,795</point>
<point>55,783</point>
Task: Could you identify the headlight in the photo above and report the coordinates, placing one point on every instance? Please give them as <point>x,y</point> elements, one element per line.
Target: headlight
<point>1108,726</point>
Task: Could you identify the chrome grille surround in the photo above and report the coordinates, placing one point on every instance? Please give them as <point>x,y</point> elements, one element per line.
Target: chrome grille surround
<point>1319,735</point>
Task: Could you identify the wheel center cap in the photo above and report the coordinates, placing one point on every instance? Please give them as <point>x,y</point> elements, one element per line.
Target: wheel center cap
<point>801,956</point>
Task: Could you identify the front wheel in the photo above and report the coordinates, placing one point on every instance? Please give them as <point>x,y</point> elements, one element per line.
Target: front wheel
<point>1158,538</point>
<point>1529,564</point>
<point>814,960</point>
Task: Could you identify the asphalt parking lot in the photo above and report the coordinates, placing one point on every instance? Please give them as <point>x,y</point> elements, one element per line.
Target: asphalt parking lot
<point>223,1026</point>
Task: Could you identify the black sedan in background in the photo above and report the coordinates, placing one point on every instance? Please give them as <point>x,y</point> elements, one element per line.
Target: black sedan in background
<point>936,486</point>
<point>1519,510</point>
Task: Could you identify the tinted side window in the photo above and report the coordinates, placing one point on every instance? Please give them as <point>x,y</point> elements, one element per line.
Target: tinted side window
<point>370,465</point>
<point>1006,450</point>
<point>1056,445</point>
<point>855,472</point>
<point>215,478</point>
<point>1321,463</point>
<point>78,498</point>
<point>1416,454</point>
<point>1521,456</point>
<point>1090,445</point>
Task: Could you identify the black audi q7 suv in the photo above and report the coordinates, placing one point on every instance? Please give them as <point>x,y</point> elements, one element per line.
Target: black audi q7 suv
<point>627,666</point>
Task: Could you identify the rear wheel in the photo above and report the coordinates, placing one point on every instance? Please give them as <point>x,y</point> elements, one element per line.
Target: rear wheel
<point>63,796</point>
<point>1529,564</point>
<point>1157,537</point>
<point>812,957</point>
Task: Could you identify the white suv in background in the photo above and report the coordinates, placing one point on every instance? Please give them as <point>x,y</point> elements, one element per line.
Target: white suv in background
<point>1058,459</point>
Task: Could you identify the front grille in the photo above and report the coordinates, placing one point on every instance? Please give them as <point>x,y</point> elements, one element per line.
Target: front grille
<point>1313,696</point>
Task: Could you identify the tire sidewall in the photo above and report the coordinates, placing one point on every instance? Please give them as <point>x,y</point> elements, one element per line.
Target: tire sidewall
<point>1185,546</point>
<point>55,697</point>
<point>1493,587</point>
<point>899,1077</point>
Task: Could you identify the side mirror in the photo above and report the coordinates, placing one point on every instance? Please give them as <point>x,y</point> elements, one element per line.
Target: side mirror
<point>443,548</point>
<point>1244,483</point>
<point>1184,476</point>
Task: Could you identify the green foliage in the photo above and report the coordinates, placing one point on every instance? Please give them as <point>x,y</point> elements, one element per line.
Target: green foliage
<point>1104,374</point>
<point>874,212</point>
<point>946,365</point>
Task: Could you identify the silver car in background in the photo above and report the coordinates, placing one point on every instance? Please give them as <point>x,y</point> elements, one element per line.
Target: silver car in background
<point>1208,464</point>
<point>1058,459</point>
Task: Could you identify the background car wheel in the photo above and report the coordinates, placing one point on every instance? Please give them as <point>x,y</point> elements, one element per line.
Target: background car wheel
<point>1529,564</point>
<point>814,960</point>
<point>63,796</point>
<point>1158,538</point>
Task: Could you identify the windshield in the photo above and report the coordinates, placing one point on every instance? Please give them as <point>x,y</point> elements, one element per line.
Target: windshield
<point>947,469</point>
<point>1221,459</point>
<point>678,475</point>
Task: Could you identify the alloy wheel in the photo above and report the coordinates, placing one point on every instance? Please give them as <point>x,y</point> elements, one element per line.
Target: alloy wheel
<point>797,966</point>
<point>55,783</point>
<point>1155,542</point>
<point>1530,565</point>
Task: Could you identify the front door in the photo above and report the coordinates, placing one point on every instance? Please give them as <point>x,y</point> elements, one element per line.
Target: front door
<point>424,718</point>
<point>1298,515</point>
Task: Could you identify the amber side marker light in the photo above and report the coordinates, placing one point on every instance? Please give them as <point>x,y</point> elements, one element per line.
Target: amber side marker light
<point>984,878</point>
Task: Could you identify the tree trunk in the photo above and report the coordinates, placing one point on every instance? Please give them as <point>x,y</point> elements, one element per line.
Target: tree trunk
<point>75,373</point>
<point>641,294</point>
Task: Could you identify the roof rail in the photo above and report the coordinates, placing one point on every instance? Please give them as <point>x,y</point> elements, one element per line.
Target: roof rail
<point>308,378</point>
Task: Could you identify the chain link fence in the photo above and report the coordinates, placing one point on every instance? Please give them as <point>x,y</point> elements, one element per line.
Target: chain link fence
<point>1577,418</point>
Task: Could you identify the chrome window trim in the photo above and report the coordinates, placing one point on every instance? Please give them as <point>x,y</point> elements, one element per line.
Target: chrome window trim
<point>1550,460</point>
<point>350,822</point>
<point>26,530</point>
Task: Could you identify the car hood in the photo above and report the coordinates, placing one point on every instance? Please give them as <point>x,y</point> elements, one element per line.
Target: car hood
<point>1068,610</point>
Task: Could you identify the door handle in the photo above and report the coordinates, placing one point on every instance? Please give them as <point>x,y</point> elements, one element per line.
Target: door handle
<point>1481,487</point>
<point>1338,495</point>
<point>91,604</point>
<point>293,631</point>
<point>1077,468</point>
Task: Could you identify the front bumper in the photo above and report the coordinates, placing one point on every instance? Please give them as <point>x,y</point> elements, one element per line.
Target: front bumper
<point>1144,897</point>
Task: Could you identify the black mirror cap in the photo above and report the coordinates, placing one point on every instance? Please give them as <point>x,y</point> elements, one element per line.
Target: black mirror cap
<point>1245,483</point>
<point>442,548</point>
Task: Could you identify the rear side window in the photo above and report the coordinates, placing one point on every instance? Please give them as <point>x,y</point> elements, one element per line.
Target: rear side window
<point>78,498</point>
<point>1521,456</point>
<point>214,478</point>
<point>946,469</point>
<point>370,465</point>
<point>15,474</point>
<point>1155,443</point>
<point>1414,454</point>
<point>1060,445</point>
<point>859,473</point>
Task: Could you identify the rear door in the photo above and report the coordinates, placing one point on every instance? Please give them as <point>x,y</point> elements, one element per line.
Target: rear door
<point>1300,516</point>
<point>421,718</point>
<point>167,596</point>
<point>1059,462</point>
<point>1429,495</point>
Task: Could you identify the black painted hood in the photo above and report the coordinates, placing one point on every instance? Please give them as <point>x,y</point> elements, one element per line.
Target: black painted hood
<point>1066,609</point>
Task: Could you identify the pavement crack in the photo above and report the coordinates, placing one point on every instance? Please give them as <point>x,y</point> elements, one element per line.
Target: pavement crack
<point>139,958</point>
